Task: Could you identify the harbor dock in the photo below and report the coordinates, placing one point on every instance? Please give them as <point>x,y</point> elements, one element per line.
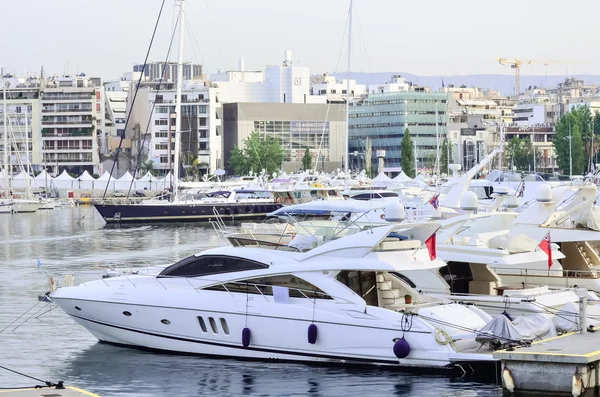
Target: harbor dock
<point>564,365</point>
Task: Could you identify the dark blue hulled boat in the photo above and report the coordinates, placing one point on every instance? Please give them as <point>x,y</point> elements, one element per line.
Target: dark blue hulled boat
<point>228,204</point>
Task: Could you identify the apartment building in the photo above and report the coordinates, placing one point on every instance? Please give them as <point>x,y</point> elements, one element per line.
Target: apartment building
<point>72,110</point>
<point>168,70</point>
<point>152,125</point>
<point>22,129</point>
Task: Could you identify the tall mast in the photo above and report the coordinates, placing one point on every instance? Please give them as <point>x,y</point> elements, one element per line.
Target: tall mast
<point>346,140</point>
<point>178,102</point>
<point>437,144</point>
<point>5,129</point>
<point>28,168</point>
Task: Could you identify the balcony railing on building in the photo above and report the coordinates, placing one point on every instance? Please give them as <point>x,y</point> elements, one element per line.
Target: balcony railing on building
<point>71,132</point>
<point>69,109</point>
<point>63,97</point>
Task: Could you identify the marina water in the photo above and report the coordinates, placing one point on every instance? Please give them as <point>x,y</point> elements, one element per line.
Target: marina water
<point>51,346</point>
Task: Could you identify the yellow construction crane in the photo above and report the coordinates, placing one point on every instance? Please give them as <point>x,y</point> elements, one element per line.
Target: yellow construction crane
<point>516,65</point>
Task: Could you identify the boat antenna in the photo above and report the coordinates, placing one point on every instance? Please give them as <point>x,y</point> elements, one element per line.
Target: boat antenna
<point>139,82</point>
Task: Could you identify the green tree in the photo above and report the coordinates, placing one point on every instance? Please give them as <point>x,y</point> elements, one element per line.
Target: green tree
<point>569,125</point>
<point>519,153</point>
<point>583,114</point>
<point>257,154</point>
<point>307,160</point>
<point>595,131</point>
<point>407,154</point>
<point>147,166</point>
<point>445,155</point>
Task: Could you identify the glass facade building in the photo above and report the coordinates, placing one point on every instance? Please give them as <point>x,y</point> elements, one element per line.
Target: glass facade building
<point>383,118</point>
<point>296,136</point>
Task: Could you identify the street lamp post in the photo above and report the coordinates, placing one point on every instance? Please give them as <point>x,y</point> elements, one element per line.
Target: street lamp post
<point>533,145</point>
<point>570,154</point>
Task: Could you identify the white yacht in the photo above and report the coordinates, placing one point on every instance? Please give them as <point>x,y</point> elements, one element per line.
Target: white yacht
<point>475,246</point>
<point>344,302</point>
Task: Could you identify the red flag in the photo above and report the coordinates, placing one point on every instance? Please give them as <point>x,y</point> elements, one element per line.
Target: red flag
<point>430,244</point>
<point>545,246</point>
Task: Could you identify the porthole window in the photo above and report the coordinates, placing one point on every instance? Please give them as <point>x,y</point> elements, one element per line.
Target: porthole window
<point>202,324</point>
<point>224,326</point>
<point>77,308</point>
<point>127,313</point>
<point>165,321</point>
<point>213,325</point>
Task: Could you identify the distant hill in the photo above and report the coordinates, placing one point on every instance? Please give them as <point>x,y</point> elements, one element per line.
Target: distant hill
<point>503,82</point>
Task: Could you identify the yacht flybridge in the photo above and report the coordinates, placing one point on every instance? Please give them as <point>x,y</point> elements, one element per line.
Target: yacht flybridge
<point>344,302</point>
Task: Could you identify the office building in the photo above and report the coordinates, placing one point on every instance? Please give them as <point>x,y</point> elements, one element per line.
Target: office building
<point>320,127</point>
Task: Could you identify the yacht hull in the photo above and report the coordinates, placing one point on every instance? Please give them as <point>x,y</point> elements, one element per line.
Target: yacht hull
<point>342,339</point>
<point>6,208</point>
<point>26,206</point>
<point>137,213</point>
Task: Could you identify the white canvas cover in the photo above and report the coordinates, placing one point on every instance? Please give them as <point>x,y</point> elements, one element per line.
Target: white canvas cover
<point>522,328</point>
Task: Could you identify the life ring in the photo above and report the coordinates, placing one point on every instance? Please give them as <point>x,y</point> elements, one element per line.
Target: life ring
<point>278,200</point>
<point>442,337</point>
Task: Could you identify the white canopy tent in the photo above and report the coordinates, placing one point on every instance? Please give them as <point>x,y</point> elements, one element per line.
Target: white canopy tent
<point>382,180</point>
<point>64,181</point>
<point>164,183</point>
<point>401,178</point>
<point>124,182</point>
<point>19,181</point>
<point>103,180</point>
<point>86,181</point>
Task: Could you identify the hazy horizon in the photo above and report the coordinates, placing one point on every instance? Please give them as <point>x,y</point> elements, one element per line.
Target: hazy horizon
<point>434,38</point>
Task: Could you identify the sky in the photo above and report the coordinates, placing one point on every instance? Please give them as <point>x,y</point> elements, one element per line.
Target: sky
<point>424,37</point>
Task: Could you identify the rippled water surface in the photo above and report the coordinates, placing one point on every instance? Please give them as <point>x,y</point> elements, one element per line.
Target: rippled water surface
<point>50,346</point>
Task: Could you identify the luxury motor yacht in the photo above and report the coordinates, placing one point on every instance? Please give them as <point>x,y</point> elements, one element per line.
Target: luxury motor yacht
<point>475,246</point>
<point>344,302</point>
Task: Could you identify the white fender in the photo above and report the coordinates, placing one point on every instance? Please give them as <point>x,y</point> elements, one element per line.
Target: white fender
<point>577,387</point>
<point>507,380</point>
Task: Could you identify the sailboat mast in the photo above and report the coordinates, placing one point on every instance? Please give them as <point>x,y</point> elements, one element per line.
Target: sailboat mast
<point>178,102</point>
<point>27,141</point>
<point>346,139</point>
<point>437,144</point>
<point>5,129</point>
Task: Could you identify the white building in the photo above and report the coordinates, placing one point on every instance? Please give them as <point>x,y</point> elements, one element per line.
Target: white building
<point>283,83</point>
<point>153,71</point>
<point>72,118</point>
<point>200,137</point>
<point>23,122</point>
<point>116,112</point>
<point>335,91</point>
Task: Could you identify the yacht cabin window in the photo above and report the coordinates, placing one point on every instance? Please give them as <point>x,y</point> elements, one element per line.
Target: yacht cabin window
<point>298,288</point>
<point>205,265</point>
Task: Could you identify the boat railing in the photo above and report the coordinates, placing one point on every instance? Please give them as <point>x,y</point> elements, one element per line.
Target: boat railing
<point>220,227</point>
<point>558,273</point>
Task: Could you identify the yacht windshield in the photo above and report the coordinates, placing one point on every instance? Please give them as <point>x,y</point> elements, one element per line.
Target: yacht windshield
<point>196,266</point>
